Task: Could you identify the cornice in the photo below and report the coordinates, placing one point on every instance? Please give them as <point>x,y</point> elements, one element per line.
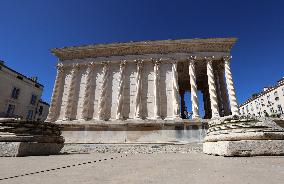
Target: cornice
<point>145,47</point>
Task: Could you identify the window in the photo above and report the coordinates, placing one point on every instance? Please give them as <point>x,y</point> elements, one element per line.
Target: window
<point>33,99</point>
<point>15,93</point>
<point>268,97</point>
<point>30,115</point>
<point>280,109</point>
<point>256,104</point>
<point>271,110</point>
<point>283,91</point>
<point>40,110</point>
<point>262,102</point>
<point>276,96</point>
<point>20,77</point>
<point>265,113</point>
<point>10,110</point>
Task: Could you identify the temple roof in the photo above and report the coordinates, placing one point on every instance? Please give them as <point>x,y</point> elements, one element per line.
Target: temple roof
<point>145,47</point>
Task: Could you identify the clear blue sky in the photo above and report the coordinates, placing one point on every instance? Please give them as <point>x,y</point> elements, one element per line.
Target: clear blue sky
<point>28,29</point>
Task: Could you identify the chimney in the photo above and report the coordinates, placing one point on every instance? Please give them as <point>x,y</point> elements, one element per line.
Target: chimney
<point>34,79</point>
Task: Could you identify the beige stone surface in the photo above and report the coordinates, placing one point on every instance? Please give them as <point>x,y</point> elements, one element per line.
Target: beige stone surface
<point>244,148</point>
<point>19,149</point>
<point>147,91</point>
<point>243,136</point>
<point>143,168</point>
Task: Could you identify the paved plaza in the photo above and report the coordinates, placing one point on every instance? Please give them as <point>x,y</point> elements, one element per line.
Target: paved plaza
<point>163,168</point>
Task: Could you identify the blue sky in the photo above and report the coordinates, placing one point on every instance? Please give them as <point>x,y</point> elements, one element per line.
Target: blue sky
<point>30,28</point>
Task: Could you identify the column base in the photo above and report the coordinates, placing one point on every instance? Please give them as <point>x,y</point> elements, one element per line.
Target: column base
<point>215,116</point>
<point>177,118</point>
<point>196,117</point>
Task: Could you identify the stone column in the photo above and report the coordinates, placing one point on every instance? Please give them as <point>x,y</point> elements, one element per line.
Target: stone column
<point>70,100</point>
<point>87,93</point>
<point>103,97</point>
<point>54,106</point>
<point>138,90</point>
<point>157,90</point>
<point>119,112</point>
<point>224,94</point>
<point>218,90</point>
<point>230,86</point>
<point>175,93</point>
<point>212,88</point>
<point>193,88</point>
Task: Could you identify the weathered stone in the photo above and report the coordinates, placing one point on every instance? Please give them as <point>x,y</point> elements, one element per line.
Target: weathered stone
<point>24,138</point>
<point>245,148</point>
<point>17,149</point>
<point>139,83</point>
<point>242,136</point>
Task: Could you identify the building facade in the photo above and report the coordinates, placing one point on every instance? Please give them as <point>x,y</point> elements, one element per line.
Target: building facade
<point>19,95</point>
<point>143,80</point>
<point>269,102</point>
<point>42,111</point>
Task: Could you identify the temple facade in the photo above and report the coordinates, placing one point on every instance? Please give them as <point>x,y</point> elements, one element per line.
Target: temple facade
<point>143,81</point>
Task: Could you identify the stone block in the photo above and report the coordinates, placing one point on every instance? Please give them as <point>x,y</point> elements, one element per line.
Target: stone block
<point>245,148</point>
<point>18,149</point>
<point>243,136</point>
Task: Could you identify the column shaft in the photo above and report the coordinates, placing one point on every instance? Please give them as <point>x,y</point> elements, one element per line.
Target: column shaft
<point>224,94</point>
<point>138,90</point>
<point>212,89</point>
<point>119,112</point>
<point>218,90</point>
<point>230,86</point>
<point>54,106</point>
<point>103,97</point>
<point>176,100</point>
<point>157,90</point>
<point>87,93</point>
<point>193,87</point>
<point>70,100</point>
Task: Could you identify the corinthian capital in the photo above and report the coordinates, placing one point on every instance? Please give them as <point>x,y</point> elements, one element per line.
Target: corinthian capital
<point>105,63</point>
<point>60,67</point>
<point>174,61</point>
<point>157,62</point>
<point>209,59</point>
<point>91,64</point>
<point>123,63</point>
<point>227,58</point>
<point>192,59</point>
<point>76,66</point>
<point>139,63</point>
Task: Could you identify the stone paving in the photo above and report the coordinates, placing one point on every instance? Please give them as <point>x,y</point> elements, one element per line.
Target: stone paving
<point>132,148</point>
<point>190,167</point>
